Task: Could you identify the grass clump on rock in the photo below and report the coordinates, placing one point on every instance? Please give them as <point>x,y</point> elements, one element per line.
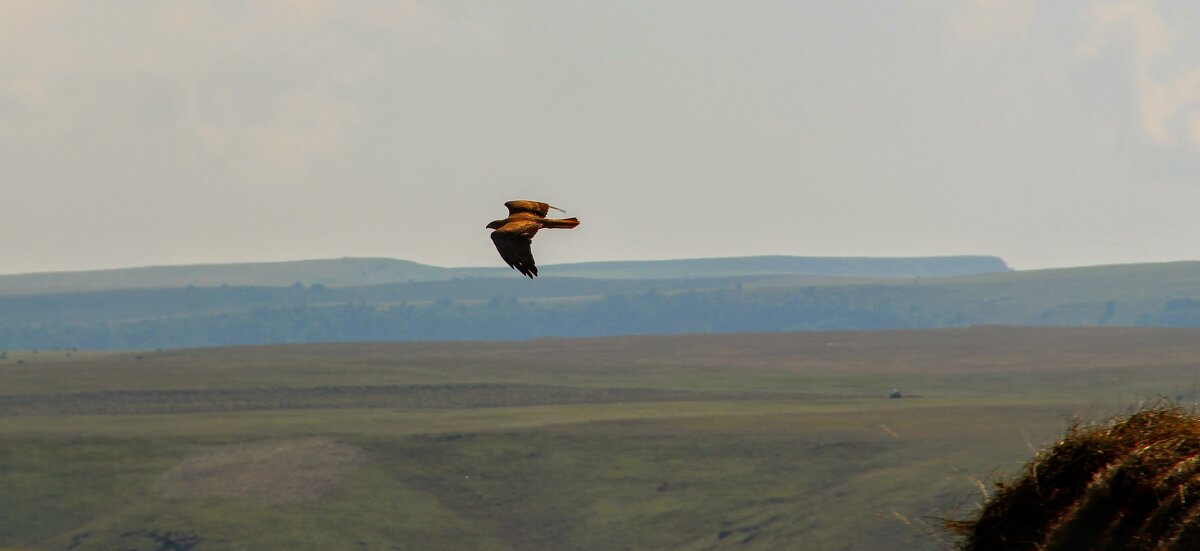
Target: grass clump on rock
<point>1132,483</point>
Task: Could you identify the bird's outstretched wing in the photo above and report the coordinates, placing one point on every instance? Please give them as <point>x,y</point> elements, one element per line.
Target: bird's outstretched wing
<point>536,207</point>
<point>514,249</point>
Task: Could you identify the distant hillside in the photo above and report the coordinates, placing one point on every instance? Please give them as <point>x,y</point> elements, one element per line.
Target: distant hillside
<point>507,308</point>
<point>343,272</point>
<point>355,272</point>
<point>777,265</point>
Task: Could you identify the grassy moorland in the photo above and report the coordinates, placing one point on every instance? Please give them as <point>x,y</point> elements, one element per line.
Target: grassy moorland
<point>765,441</point>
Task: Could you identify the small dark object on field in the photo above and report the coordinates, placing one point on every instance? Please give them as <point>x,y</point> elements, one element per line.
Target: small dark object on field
<point>1132,483</point>
<point>513,236</point>
<point>895,394</point>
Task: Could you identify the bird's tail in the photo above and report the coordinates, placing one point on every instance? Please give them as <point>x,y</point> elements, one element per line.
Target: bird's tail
<point>564,223</point>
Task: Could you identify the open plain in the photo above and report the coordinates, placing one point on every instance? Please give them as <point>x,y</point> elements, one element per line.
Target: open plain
<point>764,441</point>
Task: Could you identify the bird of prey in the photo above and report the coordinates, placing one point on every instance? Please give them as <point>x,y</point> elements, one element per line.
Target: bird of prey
<point>514,235</point>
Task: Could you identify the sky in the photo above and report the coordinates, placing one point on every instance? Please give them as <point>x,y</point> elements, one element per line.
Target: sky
<point>153,132</point>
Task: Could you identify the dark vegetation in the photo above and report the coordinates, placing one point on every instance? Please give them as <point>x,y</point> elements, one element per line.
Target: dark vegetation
<point>717,311</point>
<point>1132,483</point>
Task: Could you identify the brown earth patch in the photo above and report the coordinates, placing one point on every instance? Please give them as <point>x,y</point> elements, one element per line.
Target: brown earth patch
<point>277,471</point>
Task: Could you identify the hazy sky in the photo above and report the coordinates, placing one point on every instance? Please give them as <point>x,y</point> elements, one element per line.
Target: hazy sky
<point>160,132</point>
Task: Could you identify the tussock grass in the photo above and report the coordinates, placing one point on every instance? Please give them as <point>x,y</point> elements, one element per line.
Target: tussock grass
<point>1130,483</point>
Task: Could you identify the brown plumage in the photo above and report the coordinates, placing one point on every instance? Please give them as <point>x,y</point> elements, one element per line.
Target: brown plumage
<point>514,235</point>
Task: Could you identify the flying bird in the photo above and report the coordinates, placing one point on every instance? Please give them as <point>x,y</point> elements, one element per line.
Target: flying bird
<point>514,235</point>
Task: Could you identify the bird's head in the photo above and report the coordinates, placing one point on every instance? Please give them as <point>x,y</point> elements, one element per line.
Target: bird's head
<point>495,224</point>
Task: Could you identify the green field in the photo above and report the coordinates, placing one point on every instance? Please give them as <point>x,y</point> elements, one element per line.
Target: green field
<point>765,441</point>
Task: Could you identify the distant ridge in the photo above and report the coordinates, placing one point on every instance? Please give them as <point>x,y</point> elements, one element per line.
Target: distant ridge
<point>509,307</point>
<point>936,266</point>
<point>341,272</point>
<point>358,272</point>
